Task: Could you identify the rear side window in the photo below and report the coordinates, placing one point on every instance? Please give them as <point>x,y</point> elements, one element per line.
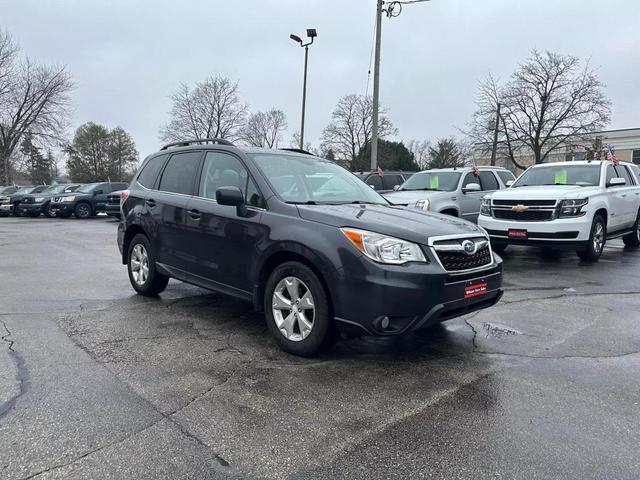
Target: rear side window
<point>624,173</point>
<point>390,181</point>
<point>488,180</point>
<point>180,173</point>
<point>505,176</point>
<point>149,174</point>
<point>374,180</point>
<point>635,169</point>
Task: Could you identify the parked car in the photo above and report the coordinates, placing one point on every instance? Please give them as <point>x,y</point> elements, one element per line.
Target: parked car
<point>452,191</point>
<point>10,204</point>
<point>385,182</point>
<point>8,190</point>
<point>86,201</point>
<point>113,204</point>
<point>303,239</point>
<point>34,204</point>
<point>579,205</point>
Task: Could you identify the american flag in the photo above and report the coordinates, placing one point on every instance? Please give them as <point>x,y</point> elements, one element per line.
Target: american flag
<point>474,168</point>
<point>380,172</point>
<point>611,154</point>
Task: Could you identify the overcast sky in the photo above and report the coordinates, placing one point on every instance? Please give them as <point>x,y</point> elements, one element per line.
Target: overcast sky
<point>127,56</point>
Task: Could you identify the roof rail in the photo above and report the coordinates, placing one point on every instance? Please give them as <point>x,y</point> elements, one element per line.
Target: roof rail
<point>185,143</point>
<point>297,150</point>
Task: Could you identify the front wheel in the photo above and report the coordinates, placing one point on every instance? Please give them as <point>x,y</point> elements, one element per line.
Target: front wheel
<point>47,211</point>
<point>82,210</point>
<point>633,238</point>
<point>297,310</point>
<point>141,264</point>
<point>597,239</point>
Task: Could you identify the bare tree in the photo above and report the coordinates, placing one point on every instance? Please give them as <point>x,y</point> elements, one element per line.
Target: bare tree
<point>350,127</point>
<point>420,150</point>
<point>294,142</point>
<point>549,101</point>
<point>33,98</point>
<point>264,129</point>
<point>213,108</point>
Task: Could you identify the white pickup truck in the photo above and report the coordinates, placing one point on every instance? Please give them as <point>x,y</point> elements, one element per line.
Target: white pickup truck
<point>567,204</point>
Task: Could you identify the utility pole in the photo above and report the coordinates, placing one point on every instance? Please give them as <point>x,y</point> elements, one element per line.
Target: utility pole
<point>376,88</point>
<point>495,137</point>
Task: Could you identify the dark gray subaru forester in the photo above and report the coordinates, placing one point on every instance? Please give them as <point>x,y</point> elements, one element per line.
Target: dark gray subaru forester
<point>303,239</point>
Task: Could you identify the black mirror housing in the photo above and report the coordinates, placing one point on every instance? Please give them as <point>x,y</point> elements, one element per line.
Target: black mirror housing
<point>233,197</point>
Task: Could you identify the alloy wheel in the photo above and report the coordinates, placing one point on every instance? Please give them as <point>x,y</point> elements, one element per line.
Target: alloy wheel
<point>598,237</point>
<point>293,308</point>
<point>139,264</point>
<point>83,210</point>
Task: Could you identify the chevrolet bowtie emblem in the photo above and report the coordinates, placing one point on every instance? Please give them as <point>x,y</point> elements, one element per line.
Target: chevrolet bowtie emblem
<point>519,208</point>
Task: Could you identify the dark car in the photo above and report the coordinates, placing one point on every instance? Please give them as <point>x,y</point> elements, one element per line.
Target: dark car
<point>386,182</point>
<point>10,204</point>
<point>303,239</point>
<point>86,201</point>
<point>113,204</point>
<point>33,205</point>
<point>8,190</point>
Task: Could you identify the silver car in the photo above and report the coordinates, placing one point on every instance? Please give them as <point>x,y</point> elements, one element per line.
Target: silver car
<point>452,191</point>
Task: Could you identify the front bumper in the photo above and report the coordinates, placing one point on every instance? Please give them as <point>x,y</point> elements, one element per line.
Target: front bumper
<point>62,208</point>
<point>30,208</point>
<point>377,299</point>
<point>6,209</point>
<point>569,231</point>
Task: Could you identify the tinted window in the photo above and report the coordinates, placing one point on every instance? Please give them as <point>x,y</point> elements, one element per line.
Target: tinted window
<point>636,170</point>
<point>611,173</point>
<point>149,174</point>
<point>390,181</point>
<point>505,176</point>
<point>623,173</point>
<point>376,181</point>
<point>180,173</point>
<point>470,178</point>
<point>635,157</point>
<point>488,181</point>
<point>224,170</point>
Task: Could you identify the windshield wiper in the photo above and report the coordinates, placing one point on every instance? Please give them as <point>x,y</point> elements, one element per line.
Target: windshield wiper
<point>308,202</point>
<point>420,189</point>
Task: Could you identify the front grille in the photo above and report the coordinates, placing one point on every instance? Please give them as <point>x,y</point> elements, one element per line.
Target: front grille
<point>540,203</point>
<point>457,261</point>
<point>526,216</point>
<point>28,200</point>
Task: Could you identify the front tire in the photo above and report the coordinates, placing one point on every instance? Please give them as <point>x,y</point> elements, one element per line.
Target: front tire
<point>82,210</point>
<point>597,240</point>
<point>47,211</point>
<point>141,265</point>
<point>297,310</point>
<point>633,239</point>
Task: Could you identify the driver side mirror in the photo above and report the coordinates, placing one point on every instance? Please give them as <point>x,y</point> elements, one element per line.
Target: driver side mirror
<point>509,183</point>
<point>233,197</point>
<point>616,182</point>
<point>396,188</point>
<point>471,187</point>
<point>372,186</point>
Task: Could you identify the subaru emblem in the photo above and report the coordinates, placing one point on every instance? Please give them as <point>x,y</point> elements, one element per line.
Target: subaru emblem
<point>469,247</point>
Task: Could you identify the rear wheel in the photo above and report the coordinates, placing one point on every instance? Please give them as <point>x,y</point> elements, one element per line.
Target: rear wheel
<point>633,238</point>
<point>597,239</point>
<point>297,310</point>
<point>82,210</point>
<point>141,264</point>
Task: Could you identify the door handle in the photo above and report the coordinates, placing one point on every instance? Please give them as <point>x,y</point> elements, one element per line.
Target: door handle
<point>150,202</point>
<point>194,214</point>
<point>623,195</point>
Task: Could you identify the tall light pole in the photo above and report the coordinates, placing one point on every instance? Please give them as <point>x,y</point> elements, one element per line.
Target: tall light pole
<point>392,9</point>
<point>312,34</point>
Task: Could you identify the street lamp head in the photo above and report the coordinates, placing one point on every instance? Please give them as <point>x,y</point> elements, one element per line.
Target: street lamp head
<point>311,33</point>
<point>295,38</point>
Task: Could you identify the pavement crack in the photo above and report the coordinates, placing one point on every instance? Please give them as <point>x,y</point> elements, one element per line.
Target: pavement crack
<point>559,357</point>
<point>568,294</point>
<point>22,374</point>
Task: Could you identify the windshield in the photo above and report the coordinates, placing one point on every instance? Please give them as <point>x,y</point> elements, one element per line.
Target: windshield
<point>438,181</point>
<point>57,189</point>
<point>581,175</point>
<point>24,190</point>
<point>310,180</point>
<point>87,188</point>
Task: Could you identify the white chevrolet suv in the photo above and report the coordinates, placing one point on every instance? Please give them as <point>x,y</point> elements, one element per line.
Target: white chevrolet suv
<point>567,204</point>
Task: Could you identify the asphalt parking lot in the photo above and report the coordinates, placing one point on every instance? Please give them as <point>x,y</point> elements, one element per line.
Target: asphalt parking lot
<point>96,382</point>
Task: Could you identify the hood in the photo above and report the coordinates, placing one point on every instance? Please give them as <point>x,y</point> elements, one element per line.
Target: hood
<point>402,222</point>
<point>544,192</point>
<point>410,197</point>
<point>40,195</point>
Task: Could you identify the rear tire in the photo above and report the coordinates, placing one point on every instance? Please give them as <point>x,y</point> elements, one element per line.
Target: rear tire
<point>633,239</point>
<point>307,327</point>
<point>141,265</point>
<point>597,240</point>
<point>82,210</point>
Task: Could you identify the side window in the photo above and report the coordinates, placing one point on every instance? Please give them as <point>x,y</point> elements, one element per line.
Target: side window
<point>635,157</point>
<point>149,174</point>
<point>611,173</point>
<point>470,178</point>
<point>180,173</point>
<point>624,173</point>
<point>390,181</point>
<point>102,188</point>
<point>488,181</point>
<point>224,170</point>
<point>635,169</point>
<point>505,176</point>
<point>374,180</point>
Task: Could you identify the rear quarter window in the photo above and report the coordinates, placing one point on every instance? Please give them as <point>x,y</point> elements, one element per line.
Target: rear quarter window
<point>180,173</point>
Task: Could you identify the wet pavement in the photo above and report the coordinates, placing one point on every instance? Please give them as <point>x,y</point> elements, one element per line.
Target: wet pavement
<point>96,382</point>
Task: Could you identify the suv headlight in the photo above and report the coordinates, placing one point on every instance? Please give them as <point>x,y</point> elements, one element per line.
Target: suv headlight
<point>68,199</point>
<point>485,207</point>
<point>423,204</point>
<point>572,208</point>
<point>39,200</point>
<point>384,249</point>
